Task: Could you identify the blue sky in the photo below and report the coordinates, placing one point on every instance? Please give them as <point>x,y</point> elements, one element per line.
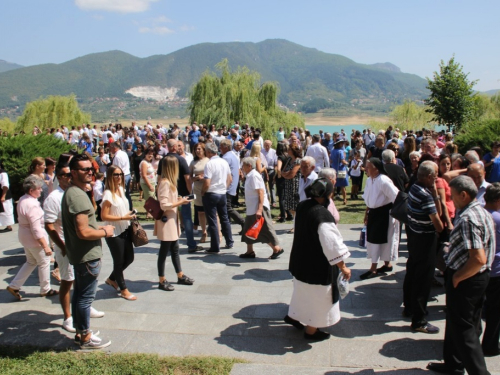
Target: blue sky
<point>414,35</point>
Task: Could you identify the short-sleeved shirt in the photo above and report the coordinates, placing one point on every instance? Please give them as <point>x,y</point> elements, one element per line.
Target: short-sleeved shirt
<point>420,206</point>
<point>183,170</point>
<point>217,171</point>
<point>474,229</point>
<point>193,136</point>
<point>253,183</point>
<point>234,166</point>
<point>75,201</point>
<point>494,175</point>
<point>52,209</point>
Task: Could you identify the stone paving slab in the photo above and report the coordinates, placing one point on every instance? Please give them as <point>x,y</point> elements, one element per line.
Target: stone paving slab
<point>234,309</point>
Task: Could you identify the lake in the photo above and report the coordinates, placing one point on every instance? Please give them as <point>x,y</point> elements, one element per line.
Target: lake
<point>314,129</point>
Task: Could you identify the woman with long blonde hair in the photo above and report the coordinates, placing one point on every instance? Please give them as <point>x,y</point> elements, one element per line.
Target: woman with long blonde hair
<point>115,212</point>
<point>167,229</point>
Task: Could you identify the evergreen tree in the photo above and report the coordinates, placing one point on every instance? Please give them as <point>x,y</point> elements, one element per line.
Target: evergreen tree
<point>238,96</point>
<point>452,97</point>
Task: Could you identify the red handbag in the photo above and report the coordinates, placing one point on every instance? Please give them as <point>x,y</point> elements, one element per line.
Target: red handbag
<point>253,232</point>
<point>153,207</point>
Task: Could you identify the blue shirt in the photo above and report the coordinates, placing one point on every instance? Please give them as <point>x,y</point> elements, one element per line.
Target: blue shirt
<point>494,175</point>
<point>193,136</point>
<point>495,266</point>
<point>234,166</point>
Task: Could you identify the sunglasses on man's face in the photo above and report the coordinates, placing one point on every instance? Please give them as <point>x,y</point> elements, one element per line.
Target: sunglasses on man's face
<point>118,174</point>
<point>86,170</point>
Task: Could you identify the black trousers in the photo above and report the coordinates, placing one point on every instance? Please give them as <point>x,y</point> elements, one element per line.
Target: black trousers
<point>462,348</point>
<point>280,191</point>
<point>419,274</point>
<point>122,252</point>
<point>232,213</point>
<point>171,247</point>
<point>272,176</point>
<point>492,314</point>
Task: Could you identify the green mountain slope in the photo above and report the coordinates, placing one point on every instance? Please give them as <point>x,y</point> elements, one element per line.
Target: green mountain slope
<point>5,66</point>
<point>302,73</point>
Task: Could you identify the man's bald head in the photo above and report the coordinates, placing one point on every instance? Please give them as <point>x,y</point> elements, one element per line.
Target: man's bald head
<point>477,173</point>
<point>172,145</point>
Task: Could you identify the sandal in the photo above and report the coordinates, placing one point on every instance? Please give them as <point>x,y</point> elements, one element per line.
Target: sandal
<point>248,255</point>
<point>50,293</point>
<point>291,231</point>
<point>112,284</point>
<point>14,292</point>
<point>203,238</point>
<point>130,297</point>
<point>277,254</point>
<point>165,285</point>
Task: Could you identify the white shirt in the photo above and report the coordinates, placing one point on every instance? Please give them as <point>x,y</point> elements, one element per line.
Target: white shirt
<point>303,184</point>
<point>379,191</point>
<point>217,171</point>
<point>122,162</point>
<point>59,135</point>
<point>98,190</point>
<point>320,154</point>
<point>368,138</point>
<point>188,156</point>
<point>356,172</point>
<point>119,207</point>
<point>234,166</point>
<point>52,210</point>
<point>254,183</point>
<point>271,158</point>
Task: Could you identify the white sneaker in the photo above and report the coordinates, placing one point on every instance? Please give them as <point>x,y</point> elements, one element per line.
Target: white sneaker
<point>94,337</point>
<point>95,314</point>
<point>68,325</point>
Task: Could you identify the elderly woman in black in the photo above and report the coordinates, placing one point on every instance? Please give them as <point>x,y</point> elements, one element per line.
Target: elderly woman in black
<point>316,258</point>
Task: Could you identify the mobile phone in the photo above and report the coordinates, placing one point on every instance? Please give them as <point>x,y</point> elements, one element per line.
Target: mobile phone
<point>191,197</point>
<point>134,211</point>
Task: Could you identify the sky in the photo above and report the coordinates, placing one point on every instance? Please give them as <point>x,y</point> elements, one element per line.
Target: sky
<point>413,35</point>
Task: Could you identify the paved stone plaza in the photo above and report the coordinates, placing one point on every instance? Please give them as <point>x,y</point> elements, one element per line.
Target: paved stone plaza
<point>235,309</point>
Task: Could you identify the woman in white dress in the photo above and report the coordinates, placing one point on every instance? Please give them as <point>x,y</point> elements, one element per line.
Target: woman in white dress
<point>382,231</point>
<point>317,257</point>
<point>7,213</point>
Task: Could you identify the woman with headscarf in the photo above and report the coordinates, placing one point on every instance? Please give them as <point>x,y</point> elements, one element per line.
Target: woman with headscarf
<point>317,256</point>
<point>382,231</point>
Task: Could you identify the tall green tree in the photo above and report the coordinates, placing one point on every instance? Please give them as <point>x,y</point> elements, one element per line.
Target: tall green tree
<point>51,112</point>
<point>230,96</point>
<point>452,97</point>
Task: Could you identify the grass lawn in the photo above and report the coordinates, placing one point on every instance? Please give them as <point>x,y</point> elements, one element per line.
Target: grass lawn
<point>26,361</point>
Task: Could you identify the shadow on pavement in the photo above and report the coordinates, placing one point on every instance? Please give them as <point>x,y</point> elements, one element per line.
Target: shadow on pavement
<point>264,275</point>
<point>264,330</point>
<point>410,350</point>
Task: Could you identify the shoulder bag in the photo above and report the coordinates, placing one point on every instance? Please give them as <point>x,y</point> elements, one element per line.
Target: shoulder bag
<point>138,234</point>
<point>153,207</point>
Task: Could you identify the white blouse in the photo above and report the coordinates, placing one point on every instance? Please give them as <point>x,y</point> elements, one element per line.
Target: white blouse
<point>379,191</point>
<point>332,243</point>
<point>119,207</point>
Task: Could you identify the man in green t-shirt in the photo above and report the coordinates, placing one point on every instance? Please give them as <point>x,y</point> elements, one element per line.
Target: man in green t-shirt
<point>83,248</point>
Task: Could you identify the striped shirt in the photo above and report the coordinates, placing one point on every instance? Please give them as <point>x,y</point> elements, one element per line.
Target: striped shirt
<point>474,229</point>
<point>420,206</point>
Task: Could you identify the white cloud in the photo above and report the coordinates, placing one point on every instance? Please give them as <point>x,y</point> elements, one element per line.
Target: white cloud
<point>98,17</point>
<point>120,6</point>
<point>187,28</point>
<point>161,19</point>
<point>160,30</point>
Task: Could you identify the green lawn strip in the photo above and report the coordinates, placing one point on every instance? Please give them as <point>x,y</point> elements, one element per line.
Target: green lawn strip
<point>28,360</point>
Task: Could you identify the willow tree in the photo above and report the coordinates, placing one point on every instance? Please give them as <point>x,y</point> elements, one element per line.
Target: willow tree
<point>51,112</point>
<point>230,96</point>
<point>411,116</point>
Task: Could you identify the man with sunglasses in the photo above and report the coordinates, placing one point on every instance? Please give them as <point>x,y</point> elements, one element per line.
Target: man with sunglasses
<point>83,246</point>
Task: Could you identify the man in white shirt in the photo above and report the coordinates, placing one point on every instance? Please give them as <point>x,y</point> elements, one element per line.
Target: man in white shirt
<point>186,155</point>
<point>58,134</point>
<point>477,172</point>
<point>318,153</point>
<point>368,137</point>
<point>234,167</point>
<point>307,175</point>
<point>272,161</point>
<point>217,179</point>
<point>121,160</point>
<point>53,226</point>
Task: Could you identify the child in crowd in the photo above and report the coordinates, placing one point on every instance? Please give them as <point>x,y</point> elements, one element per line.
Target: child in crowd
<point>355,173</point>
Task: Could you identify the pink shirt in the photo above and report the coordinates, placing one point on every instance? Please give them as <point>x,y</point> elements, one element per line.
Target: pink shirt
<point>31,222</point>
<point>334,212</point>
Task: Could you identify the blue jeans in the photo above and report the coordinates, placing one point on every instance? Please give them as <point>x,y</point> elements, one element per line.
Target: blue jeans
<point>127,191</point>
<point>216,204</point>
<point>188,225</point>
<point>84,290</point>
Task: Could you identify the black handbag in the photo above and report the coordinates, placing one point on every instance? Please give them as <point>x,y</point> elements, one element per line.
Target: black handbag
<point>399,210</point>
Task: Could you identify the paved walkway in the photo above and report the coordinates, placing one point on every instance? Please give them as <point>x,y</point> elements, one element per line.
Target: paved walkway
<point>235,309</point>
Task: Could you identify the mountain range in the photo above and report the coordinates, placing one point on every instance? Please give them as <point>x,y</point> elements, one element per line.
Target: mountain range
<point>302,73</point>
<point>5,66</point>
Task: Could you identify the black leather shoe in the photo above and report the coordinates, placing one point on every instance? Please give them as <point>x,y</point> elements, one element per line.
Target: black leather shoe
<point>442,368</point>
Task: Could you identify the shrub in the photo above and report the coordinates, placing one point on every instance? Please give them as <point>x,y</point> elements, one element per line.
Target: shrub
<point>18,152</point>
<point>480,134</point>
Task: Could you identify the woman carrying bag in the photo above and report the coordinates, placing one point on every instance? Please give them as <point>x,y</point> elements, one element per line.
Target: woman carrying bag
<point>167,229</point>
<point>114,211</point>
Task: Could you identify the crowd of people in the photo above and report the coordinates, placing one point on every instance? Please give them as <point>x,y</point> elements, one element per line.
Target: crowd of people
<point>452,203</point>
